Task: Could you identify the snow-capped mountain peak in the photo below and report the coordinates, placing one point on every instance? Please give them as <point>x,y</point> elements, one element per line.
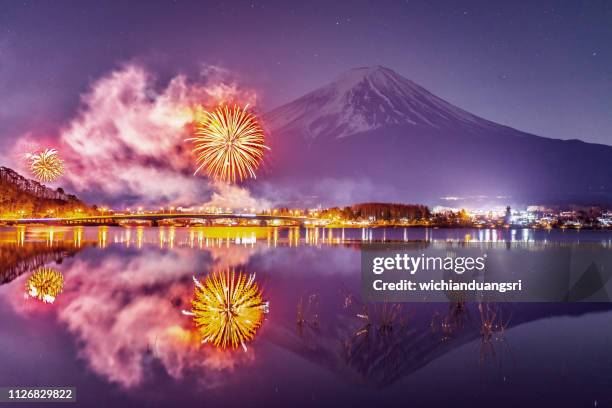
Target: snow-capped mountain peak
<point>364,99</point>
<point>372,135</point>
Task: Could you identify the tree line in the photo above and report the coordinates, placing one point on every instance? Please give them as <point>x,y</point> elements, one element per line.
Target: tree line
<point>21,197</point>
<point>379,212</point>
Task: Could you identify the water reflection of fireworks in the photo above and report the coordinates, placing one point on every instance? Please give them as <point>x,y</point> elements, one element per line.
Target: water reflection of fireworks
<point>228,308</point>
<point>45,284</point>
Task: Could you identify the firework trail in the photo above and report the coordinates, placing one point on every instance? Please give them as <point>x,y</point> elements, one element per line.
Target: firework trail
<point>46,166</point>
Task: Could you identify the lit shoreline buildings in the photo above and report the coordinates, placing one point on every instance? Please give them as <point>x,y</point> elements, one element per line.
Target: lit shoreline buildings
<point>358,215</point>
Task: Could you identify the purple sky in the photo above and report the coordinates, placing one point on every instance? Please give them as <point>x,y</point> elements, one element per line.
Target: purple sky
<point>542,67</point>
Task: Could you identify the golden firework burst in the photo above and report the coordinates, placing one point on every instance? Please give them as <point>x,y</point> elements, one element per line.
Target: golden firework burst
<point>46,165</point>
<point>228,308</point>
<point>45,284</point>
<point>229,143</point>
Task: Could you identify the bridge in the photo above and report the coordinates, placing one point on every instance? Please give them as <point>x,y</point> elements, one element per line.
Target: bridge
<point>154,219</point>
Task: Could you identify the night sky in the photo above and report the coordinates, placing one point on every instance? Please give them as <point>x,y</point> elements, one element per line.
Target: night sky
<point>543,67</point>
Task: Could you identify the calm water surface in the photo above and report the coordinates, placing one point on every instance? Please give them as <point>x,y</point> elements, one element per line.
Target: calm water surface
<point>117,333</point>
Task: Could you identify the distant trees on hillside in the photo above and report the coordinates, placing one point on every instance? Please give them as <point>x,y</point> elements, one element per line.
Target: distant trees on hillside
<point>379,212</point>
<point>21,197</point>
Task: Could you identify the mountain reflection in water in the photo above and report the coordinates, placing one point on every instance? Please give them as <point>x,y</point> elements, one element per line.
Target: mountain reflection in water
<point>119,316</point>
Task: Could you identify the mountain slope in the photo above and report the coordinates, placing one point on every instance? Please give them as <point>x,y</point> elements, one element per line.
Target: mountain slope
<point>373,135</point>
<point>365,99</point>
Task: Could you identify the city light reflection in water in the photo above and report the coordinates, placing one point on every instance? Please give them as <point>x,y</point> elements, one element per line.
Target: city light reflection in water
<point>124,290</point>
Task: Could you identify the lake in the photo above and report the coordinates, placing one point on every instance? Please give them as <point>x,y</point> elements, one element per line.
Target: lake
<point>118,331</point>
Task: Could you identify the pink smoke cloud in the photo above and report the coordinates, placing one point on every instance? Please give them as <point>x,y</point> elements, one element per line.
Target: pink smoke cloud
<point>128,137</point>
<point>231,196</point>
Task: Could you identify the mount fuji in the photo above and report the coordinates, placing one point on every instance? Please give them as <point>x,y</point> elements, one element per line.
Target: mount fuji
<point>373,135</point>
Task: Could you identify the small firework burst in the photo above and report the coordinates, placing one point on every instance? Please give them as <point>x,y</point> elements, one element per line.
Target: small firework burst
<point>46,165</point>
<point>45,284</point>
<point>229,144</point>
<point>228,308</point>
